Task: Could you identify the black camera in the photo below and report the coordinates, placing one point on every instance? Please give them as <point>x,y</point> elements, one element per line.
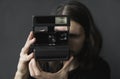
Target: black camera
<point>51,43</point>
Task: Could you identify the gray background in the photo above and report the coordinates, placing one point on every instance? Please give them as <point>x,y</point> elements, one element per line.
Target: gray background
<point>16,22</point>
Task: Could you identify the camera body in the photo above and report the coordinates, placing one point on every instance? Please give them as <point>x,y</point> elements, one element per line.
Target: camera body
<point>51,44</point>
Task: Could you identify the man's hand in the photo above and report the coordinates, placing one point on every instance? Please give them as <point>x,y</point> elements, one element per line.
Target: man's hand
<point>38,73</point>
<point>22,68</point>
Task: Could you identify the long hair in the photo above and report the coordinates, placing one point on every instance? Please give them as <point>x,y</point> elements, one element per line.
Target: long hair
<point>93,42</point>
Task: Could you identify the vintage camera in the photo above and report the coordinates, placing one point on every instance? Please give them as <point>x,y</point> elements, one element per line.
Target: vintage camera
<point>51,44</point>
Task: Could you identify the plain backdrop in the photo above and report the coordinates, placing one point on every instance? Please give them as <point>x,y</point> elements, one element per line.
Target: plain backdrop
<point>16,23</point>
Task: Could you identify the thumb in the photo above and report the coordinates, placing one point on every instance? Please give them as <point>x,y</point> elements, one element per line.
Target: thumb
<point>67,63</point>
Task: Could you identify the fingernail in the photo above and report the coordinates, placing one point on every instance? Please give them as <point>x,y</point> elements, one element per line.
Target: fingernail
<point>31,32</point>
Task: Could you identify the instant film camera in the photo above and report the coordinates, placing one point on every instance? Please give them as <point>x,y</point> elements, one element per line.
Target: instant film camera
<point>51,44</point>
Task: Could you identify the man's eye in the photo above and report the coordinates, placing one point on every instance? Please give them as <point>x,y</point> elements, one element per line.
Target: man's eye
<point>74,35</point>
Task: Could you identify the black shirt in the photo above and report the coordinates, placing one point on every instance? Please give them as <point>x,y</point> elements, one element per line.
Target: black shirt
<point>101,71</point>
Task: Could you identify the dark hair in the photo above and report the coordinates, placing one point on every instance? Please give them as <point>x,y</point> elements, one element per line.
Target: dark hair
<point>93,42</point>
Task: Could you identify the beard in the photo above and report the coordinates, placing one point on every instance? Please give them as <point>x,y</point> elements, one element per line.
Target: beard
<point>51,66</point>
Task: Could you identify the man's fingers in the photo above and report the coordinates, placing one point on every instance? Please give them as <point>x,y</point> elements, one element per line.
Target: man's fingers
<point>30,36</point>
<point>30,56</point>
<point>35,68</point>
<point>25,49</point>
<point>29,42</point>
<point>31,69</point>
